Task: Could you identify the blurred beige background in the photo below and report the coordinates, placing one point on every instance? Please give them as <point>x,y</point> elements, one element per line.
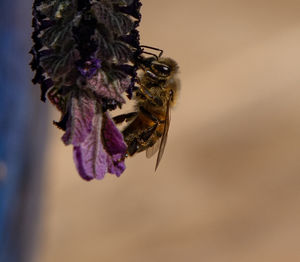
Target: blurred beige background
<point>228,188</point>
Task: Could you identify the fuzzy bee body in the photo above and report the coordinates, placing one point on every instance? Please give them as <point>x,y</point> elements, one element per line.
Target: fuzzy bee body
<point>158,87</point>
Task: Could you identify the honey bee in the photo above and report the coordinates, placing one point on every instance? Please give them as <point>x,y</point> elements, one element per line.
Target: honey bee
<point>155,95</point>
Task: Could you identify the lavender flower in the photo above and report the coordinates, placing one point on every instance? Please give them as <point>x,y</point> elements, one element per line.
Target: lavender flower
<point>84,60</point>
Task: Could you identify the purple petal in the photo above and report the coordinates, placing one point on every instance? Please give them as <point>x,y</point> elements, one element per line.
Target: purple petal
<point>112,137</point>
<point>116,165</point>
<point>77,154</point>
<point>92,158</point>
<point>114,145</point>
<point>79,124</point>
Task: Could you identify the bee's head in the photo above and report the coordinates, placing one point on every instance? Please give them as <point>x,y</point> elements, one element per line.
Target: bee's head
<point>159,67</point>
<point>164,67</point>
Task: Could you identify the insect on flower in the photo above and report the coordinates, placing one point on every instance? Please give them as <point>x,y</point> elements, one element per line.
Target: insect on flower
<point>155,96</point>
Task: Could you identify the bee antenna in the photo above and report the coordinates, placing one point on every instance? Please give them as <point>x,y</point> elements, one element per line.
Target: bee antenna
<point>148,53</point>
<point>153,48</point>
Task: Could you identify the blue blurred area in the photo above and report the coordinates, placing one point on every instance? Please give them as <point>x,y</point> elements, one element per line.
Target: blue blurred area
<point>22,135</point>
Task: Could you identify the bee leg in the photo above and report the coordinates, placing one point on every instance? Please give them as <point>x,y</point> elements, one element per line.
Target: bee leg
<point>133,147</point>
<point>124,117</point>
<point>156,101</point>
<point>144,91</point>
<point>148,133</point>
<point>150,116</point>
<point>140,143</point>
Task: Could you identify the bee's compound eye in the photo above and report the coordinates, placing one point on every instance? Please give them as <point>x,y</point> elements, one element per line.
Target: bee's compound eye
<point>161,68</point>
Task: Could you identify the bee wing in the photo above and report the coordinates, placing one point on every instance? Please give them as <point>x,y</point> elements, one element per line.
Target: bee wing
<point>164,137</point>
<point>153,149</point>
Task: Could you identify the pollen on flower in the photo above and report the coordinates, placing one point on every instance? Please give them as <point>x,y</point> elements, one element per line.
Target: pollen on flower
<point>83,58</point>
